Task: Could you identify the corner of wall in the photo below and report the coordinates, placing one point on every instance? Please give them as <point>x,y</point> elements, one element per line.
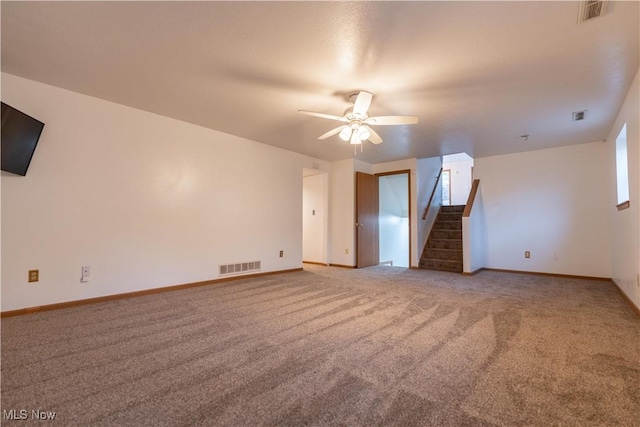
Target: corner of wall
<point>625,224</point>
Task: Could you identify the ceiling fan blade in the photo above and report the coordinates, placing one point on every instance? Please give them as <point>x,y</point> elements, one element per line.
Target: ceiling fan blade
<point>332,132</point>
<point>322,115</point>
<point>392,120</point>
<point>373,136</point>
<point>362,104</point>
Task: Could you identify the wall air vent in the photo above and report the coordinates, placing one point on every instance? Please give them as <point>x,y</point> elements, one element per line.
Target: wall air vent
<point>590,9</point>
<point>238,268</point>
<point>578,115</point>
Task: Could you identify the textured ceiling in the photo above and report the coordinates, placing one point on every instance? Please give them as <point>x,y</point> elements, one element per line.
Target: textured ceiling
<point>477,74</point>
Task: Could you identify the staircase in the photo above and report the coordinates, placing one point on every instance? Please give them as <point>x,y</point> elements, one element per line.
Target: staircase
<point>443,250</point>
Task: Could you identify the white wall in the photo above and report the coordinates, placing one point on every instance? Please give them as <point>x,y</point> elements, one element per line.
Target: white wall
<point>550,202</point>
<point>427,174</point>
<point>625,224</point>
<point>145,200</point>
<point>460,180</point>
<point>474,236</point>
<point>342,213</point>
<point>314,218</point>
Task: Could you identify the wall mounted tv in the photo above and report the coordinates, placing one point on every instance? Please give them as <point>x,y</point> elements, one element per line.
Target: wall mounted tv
<point>20,134</point>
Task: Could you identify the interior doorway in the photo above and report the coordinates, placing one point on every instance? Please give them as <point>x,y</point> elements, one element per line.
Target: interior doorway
<point>394,219</point>
<point>367,213</point>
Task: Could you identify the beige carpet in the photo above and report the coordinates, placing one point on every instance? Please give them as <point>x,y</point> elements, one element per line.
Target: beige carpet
<point>328,346</point>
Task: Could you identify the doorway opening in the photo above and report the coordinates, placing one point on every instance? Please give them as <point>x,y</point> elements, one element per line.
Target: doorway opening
<point>446,187</point>
<point>456,183</point>
<point>394,219</point>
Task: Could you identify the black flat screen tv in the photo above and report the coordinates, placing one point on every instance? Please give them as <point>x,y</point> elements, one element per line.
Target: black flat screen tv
<point>20,134</point>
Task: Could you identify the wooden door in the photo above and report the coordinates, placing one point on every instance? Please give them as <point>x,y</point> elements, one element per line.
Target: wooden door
<point>367,233</point>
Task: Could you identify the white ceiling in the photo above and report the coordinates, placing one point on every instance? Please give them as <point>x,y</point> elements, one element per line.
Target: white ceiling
<point>477,74</point>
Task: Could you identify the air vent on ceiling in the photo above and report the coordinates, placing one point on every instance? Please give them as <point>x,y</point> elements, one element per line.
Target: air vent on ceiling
<point>238,268</point>
<point>590,9</point>
<point>578,115</point>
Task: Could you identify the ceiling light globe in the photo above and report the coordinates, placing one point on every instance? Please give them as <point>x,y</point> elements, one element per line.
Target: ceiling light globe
<point>345,134</point>
<point>363,133</point>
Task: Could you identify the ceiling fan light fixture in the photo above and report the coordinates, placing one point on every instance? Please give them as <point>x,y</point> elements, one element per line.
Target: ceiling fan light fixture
<point>363,133</point>
<point>357,121</point>
<point>345,133</point>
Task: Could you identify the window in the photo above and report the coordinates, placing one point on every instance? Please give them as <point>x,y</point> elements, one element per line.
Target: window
<point>446,187</point>
<point>622,168</point>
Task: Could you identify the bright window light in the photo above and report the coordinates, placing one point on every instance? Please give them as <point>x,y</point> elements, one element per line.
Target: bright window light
<point>622,167</point>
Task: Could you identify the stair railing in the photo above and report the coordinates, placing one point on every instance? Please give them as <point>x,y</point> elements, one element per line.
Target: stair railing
<point>433,192</point>
<point>471,199</point>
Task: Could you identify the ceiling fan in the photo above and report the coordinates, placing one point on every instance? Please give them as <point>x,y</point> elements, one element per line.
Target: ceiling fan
<point>357,123</point>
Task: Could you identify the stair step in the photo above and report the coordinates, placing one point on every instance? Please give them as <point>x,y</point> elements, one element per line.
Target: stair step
<point>443,250</point>
<point>447,225</point>
<point>443,254</point>
<point>446,234</point>
<point>456,208</point>
<point>444,244</point>
<point>449,216</point>
<point>441,265</point>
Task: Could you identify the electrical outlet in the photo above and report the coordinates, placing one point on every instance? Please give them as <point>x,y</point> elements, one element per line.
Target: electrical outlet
<point>527,254</point>
<point>346,251</point>
<point>34,275</point>
<point>281,254</point>
<point>555,257</point>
